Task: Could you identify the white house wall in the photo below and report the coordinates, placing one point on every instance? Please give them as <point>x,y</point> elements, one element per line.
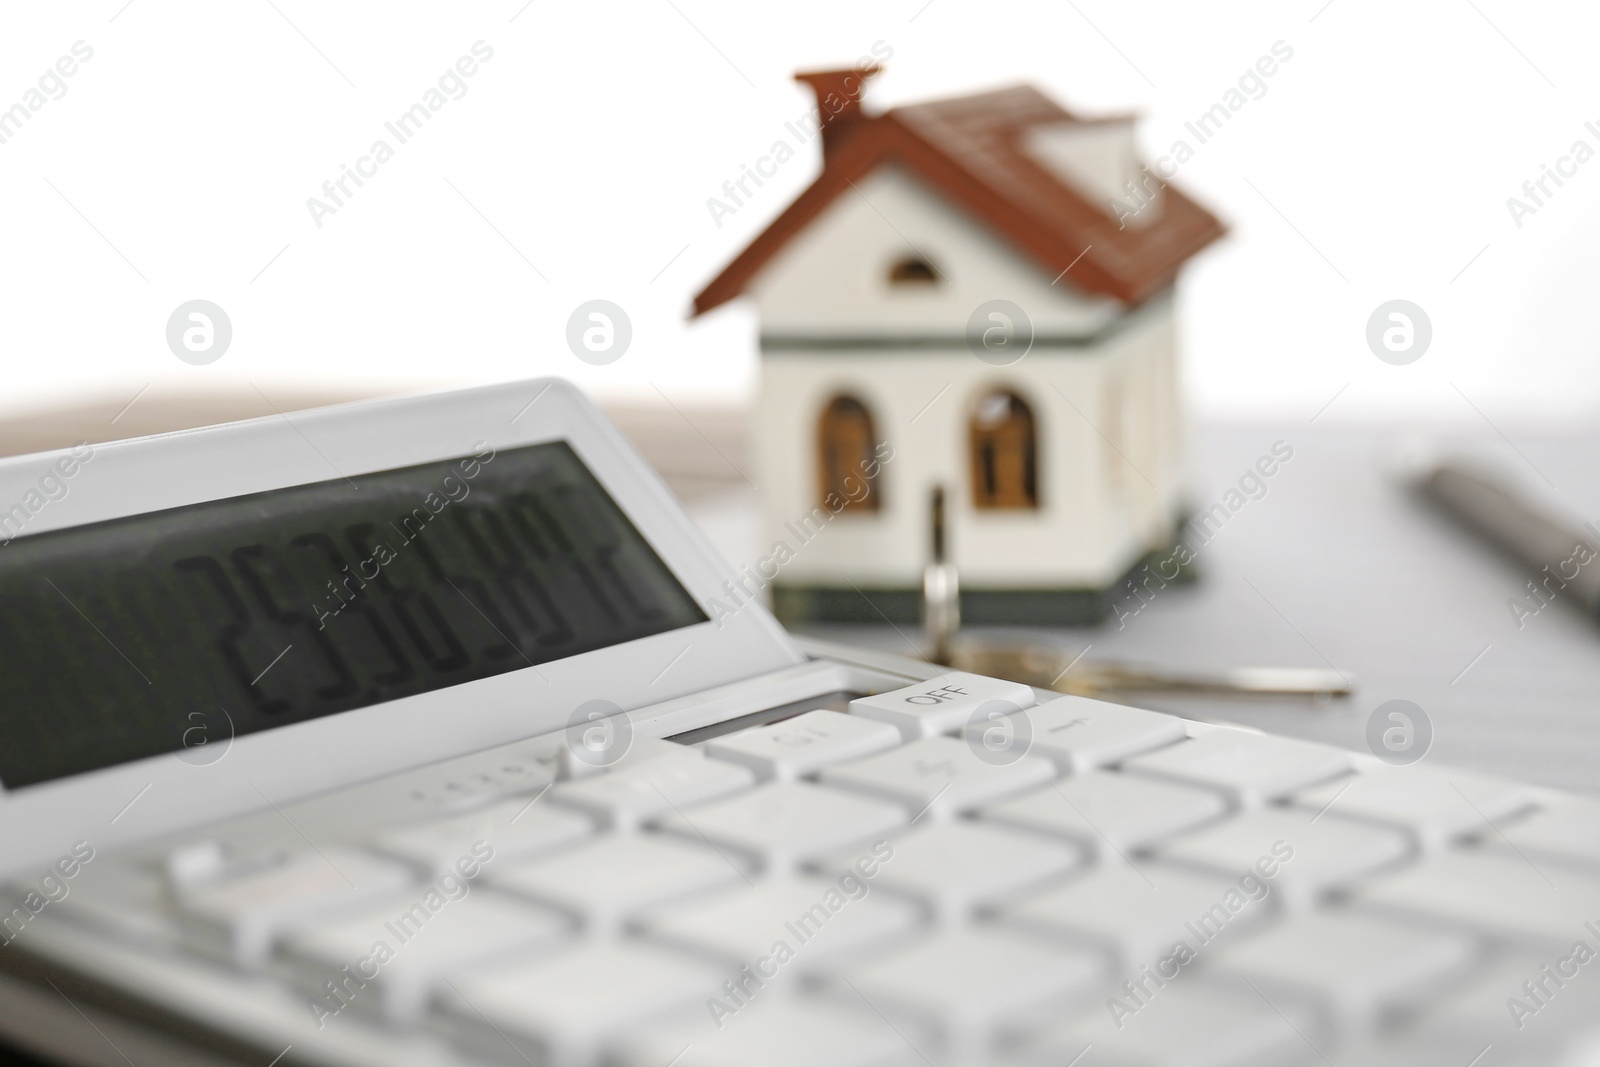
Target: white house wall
<point>1084,533</point>
<point>831,279</point>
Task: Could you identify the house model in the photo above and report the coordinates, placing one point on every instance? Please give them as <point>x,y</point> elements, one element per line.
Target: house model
<point>966,322</point>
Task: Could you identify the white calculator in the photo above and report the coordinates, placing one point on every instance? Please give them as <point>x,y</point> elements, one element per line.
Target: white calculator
<point>416,732</point>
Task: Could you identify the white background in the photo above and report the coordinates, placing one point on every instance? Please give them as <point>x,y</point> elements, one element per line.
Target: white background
<point>1377,166</point>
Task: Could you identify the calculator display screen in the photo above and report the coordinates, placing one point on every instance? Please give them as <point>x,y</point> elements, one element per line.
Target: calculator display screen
<point>158,632</point>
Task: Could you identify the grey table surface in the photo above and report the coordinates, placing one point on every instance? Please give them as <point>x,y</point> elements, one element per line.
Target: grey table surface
<point>1337,565</point>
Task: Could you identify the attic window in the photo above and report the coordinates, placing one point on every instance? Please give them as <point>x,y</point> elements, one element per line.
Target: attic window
<point>913,270</point>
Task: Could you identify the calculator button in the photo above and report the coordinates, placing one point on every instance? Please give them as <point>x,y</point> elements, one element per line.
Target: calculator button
<point>804,744</point>
<point>941,705</point>
<point>939,776</point>
<point>391,958</point>
<point>1500,894</point>
<point>1249,768</point>
<point>1351,968</point>
<point>240,918</point>
<point>623,799</point>
<point>1107,813</point>
<point>511,830</point>
<point>1295,856</point>
<point>1080,734</point>
<point>782,1034</point>
<point>126,900</point>
<point>1566,832</point>
<point>1494,1008</point>
<point>824,919</point>
<point>1432,806</point>
<point>564,1009</point>
<point>960,986</point>
<point>1182,1026</point>
<point>783,824</point>
<point>954,868</point>
<point>640,750</point>
<point>604,882</point>
<point>1139,913</point>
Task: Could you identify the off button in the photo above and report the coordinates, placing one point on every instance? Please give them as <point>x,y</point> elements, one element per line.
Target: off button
<point>942,705</point>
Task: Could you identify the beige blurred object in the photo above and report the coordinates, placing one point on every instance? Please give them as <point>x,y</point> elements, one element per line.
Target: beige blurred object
<point>698,450</point>
<point>97,419</point>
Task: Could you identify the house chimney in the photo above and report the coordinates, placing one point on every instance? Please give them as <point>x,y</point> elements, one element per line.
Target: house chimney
<point>838,102</point>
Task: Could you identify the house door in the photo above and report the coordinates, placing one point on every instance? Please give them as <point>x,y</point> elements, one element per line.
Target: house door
<point>846,439</point>
<point>1004,459</point>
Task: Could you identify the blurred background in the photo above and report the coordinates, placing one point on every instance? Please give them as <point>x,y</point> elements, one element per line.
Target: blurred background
<point>1379,163</point>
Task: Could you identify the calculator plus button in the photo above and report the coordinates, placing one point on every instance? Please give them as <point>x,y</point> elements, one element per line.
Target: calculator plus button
<point>941,705</point>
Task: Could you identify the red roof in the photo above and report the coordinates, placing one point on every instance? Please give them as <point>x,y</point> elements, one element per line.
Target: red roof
<point>972,150</point>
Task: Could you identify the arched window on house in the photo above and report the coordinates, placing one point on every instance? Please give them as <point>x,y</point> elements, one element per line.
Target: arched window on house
<point>846,440</point>
<point>1004,453</point>
<point>913,270</point>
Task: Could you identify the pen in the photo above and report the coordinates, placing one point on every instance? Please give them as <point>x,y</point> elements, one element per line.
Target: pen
<point>1552,547</point>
